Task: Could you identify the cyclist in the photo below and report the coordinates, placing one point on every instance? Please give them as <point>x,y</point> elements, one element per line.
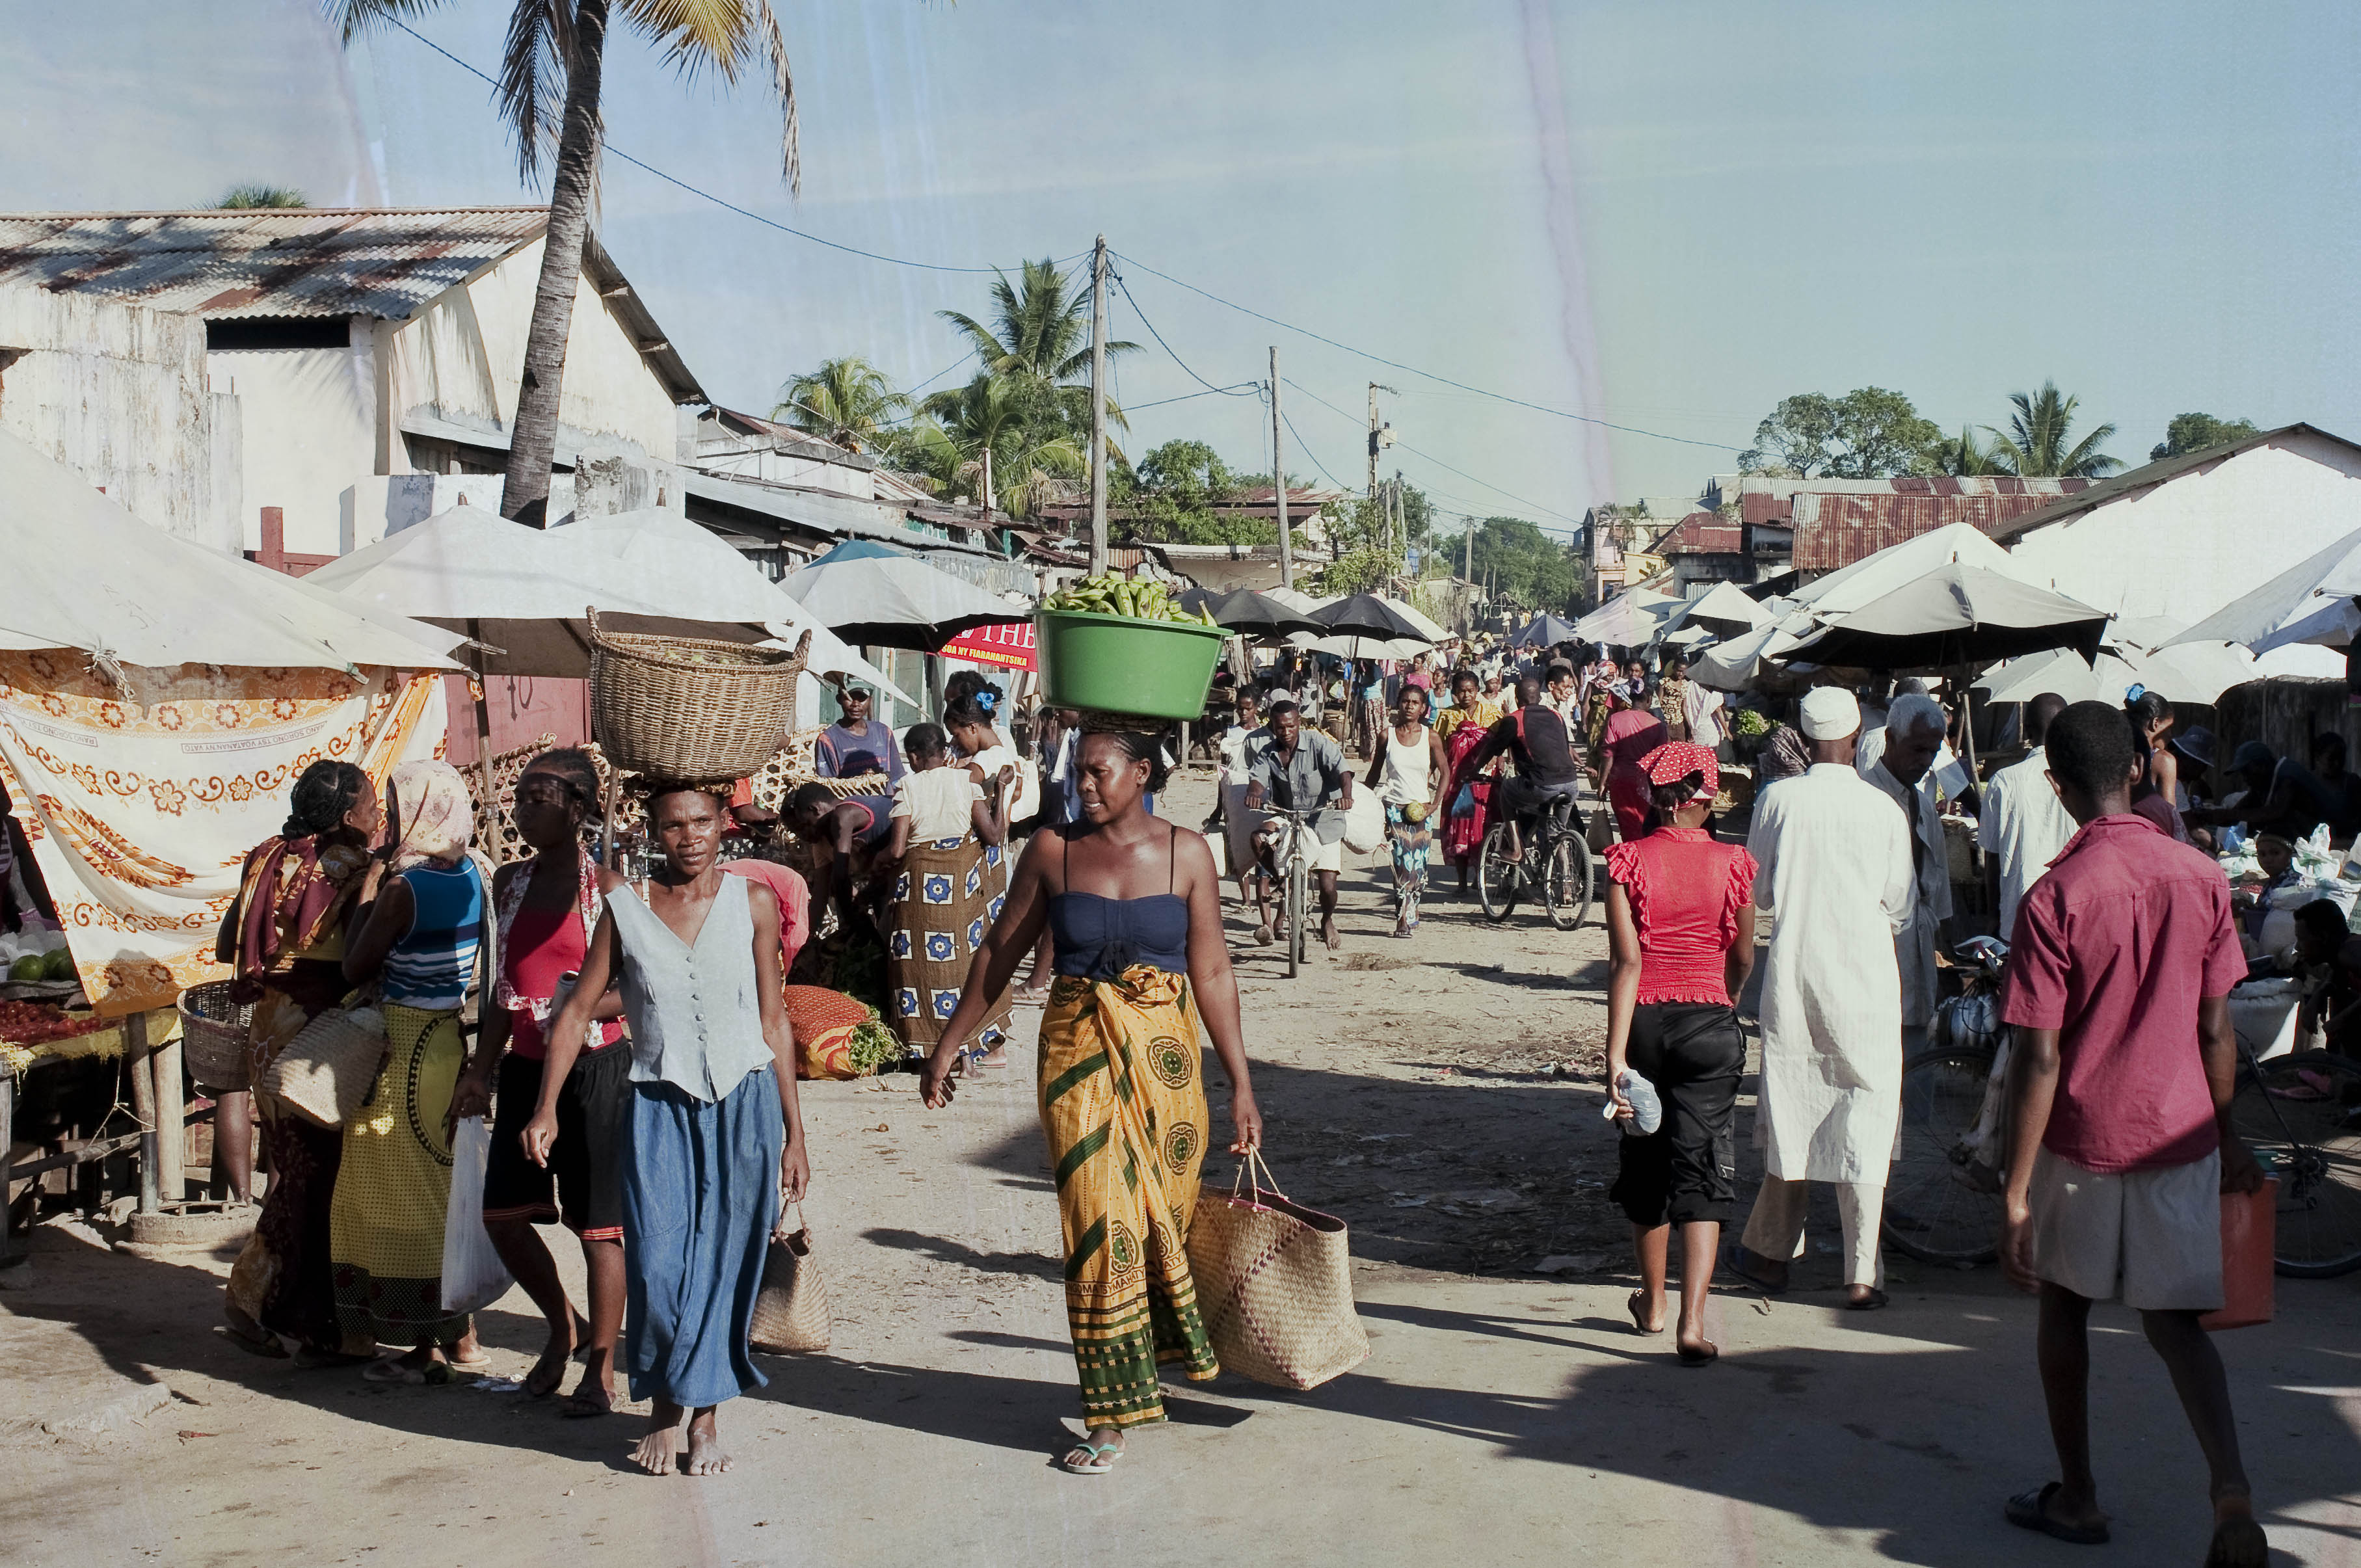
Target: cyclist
<point>1299,769</point>
<point>1537,741</point>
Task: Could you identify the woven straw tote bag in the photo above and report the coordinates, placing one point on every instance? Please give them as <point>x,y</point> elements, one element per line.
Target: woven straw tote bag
<point>327,1071</point>
<point>1275,1284</point>
<point>790,1309</point>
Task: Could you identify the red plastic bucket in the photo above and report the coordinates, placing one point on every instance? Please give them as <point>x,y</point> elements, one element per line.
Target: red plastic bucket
<point>2249,1235</point>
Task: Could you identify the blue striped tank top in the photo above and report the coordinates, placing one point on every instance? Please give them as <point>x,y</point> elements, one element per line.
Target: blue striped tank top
<point>430,966</point>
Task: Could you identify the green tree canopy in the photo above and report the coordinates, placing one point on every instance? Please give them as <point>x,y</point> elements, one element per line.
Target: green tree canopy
<point>1172,491</point>
<point>1868,433</point>
<point>2195,433</point>
<point>846,400</point>
<point>240,197</point>
<point>1529,568</point>
<point>2036,445</point>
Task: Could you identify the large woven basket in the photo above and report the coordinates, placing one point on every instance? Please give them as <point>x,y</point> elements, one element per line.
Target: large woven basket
<point>790,1316</point>
<point>1275,1284</point>
<point>212,1036</point>
<point>686,708</point>
<point>325,1071</point>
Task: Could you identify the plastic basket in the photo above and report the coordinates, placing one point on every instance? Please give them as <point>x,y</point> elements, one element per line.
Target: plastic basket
<point>1159,669</point>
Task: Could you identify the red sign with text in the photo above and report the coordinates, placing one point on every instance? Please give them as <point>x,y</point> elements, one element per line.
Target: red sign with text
<point>1006,643</point>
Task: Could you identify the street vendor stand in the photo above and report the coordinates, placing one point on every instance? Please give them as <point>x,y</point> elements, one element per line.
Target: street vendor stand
<point>157,700</point>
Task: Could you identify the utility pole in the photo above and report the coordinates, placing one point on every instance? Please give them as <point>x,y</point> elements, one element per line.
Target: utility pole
<point>1279,477</point>
<point>1098,410</point>
<point>1402,523</point>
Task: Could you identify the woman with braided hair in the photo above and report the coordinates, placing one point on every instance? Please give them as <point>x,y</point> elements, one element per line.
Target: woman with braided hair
<point>1133,907</point>
<point>284,937</point>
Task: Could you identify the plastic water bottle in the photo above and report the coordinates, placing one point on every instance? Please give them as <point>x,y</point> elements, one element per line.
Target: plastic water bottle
<point>1647,1110</point>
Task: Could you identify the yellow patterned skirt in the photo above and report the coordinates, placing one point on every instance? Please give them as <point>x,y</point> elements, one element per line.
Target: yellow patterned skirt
<point>393,1188</point>
<point>1123,1105</point>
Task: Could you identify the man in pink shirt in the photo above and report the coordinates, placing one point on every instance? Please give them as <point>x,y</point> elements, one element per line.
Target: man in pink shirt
<point>2120,970</point>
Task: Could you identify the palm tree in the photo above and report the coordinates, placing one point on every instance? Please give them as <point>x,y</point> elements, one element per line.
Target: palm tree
<point>1039,339</point>
<point>238,198</point>
<point>997,414</point>
<point>2035,444</point>
<point>846,400</point>
<point>549,91</point>
<point>1965,456</point>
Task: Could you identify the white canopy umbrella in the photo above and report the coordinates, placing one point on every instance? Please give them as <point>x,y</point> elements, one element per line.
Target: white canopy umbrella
<point>518,590</point>
<point>882,597</point>
<point>2300,605</point>
<point>1426,624</point>
<point>678,563</point>
<point>86,574</point>
<point>1740,664</point>
<point>1725,609</point>
<point>2196,673</point>
<point>1629,620</point>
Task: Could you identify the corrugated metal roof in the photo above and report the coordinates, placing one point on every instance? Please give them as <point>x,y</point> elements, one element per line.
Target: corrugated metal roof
<point>1701,534</point>
<point>264,261</point>
<point>1837,521</point>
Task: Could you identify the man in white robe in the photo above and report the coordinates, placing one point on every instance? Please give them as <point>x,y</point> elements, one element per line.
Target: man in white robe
<point>1914,734</point>
<point>1835,871</point>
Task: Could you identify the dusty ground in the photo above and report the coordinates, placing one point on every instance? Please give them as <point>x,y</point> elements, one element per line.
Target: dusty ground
<point>1504,1415</point>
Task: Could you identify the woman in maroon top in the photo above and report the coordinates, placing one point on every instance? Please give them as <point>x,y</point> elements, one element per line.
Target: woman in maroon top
<point>545,909</point>
<point>1680,917</point>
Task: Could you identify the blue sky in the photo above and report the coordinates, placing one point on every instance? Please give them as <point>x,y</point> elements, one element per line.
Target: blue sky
<point>1664,215</point>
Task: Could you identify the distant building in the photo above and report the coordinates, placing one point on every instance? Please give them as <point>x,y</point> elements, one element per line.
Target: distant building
<point>1828,523</point>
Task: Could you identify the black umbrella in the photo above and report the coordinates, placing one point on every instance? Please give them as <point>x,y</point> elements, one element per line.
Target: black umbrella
<point>1252,614</point>
<point>1366,614</point>
<point>1194,599</point>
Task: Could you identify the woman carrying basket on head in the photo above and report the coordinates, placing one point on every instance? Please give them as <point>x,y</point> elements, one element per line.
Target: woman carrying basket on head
<point>1134,908</point>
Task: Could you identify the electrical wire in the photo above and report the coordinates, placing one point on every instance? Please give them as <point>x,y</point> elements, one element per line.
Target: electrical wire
<point>1438,462</point>
<point>1166,347</point>
<point>1305,447</point>
<point>1232,391</point>
<point>611,148</point>
<point>1445,380</point>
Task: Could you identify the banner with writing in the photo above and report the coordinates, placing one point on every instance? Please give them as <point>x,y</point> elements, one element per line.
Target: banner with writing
<point>1006,643</point>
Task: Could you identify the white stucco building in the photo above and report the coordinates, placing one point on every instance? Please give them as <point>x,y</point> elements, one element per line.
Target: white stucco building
<point>2183,537</point>
<point>345,350</point>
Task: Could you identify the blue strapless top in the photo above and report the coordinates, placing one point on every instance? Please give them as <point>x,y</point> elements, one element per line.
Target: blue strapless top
<point>1096,937</point>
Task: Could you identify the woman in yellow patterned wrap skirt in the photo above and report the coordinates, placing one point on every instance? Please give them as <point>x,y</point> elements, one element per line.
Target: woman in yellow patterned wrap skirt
<point>1133,908</point>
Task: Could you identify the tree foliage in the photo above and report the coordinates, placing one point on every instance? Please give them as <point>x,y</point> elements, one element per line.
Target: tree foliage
<point>1171,492</point>
<point>238,198</point>
<point>846,400</point>
<point>2037,444</point>
<point>1868,433</point>
<point>1519,561</point>
<point>2195,433</point>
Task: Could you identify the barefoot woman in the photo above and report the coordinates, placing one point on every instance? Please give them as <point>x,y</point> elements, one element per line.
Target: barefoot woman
<point>713,1077</point>
<point>1134,909</point>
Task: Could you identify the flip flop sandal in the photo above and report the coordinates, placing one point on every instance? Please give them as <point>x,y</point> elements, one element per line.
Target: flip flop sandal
<point>1101,1458</point>
<point>1631,1305</point>
<point>578,1407</point>
<point>2030,1510</point>
<point>1705,1357</point>
<point>267,1346</point>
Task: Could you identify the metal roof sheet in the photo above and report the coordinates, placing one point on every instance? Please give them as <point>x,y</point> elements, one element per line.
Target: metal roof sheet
<point>1837,521</point>
<point>2099,492</point>
<point>302,261</point>
<point>1701,534</point>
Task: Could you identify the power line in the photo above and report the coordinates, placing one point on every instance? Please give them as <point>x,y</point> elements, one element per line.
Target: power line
<point>1305,447</point>
<point>708,195</point>
<point>1398,365</point>
<point>1159,338</point>
<point>1232,390</point>
<point>1438,462</point>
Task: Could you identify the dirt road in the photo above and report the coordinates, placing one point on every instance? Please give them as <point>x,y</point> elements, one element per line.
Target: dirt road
<point>1441,1095</point>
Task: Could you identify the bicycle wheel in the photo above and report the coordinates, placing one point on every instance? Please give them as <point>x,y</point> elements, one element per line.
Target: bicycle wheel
<point>1565,891</point>
<point>1498,875</point>
<point>2296,1114</point>
<point>1936,1209</point>
<point>1299,911</point>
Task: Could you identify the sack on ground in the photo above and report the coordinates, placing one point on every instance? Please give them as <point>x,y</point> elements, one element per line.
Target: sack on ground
<point>473,1274</point>
<point>325,1071</point>
<point>790,1309</point>
<point>1275,1286</point>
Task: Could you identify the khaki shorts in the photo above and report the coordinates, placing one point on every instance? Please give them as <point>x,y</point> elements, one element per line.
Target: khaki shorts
<point>2155,1234</point>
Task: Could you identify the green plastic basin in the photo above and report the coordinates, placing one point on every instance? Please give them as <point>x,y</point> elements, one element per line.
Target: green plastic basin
<point>1160,669</point>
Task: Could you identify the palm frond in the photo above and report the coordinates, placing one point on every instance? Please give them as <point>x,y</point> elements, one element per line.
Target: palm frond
<point>533,68</point>
<point>355,17</point>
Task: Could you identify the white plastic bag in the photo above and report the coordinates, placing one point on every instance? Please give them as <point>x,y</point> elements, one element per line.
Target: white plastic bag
<point>1365,824</point>
<point>473,1274</point>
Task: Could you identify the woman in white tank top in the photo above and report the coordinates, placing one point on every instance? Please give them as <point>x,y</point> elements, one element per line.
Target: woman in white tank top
<point>1406,772</point>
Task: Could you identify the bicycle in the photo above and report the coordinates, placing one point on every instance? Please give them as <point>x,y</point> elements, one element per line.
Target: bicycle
<point>1294,873</point>
<point>1553,860</point>
<point>2300,1116</point>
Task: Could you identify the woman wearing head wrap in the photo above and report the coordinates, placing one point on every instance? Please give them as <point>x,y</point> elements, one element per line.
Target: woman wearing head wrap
<point>419,943</point>
<point>1133,910</point>
<point>1680,921</point>
<point>284,936</point>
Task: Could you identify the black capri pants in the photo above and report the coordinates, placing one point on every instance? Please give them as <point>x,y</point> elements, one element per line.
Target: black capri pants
<point>1683,1172</point>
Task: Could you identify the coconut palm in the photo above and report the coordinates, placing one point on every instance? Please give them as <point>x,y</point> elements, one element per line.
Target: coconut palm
<point>2035,444</point>
<point>846,400</point>
<point>238,198</point>
<point>1965,456</point>
<point>549,94</point>
<point>1001,415</point>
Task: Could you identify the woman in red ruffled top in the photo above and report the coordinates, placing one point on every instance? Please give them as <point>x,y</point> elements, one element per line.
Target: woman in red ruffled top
<point>1680,916</point>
